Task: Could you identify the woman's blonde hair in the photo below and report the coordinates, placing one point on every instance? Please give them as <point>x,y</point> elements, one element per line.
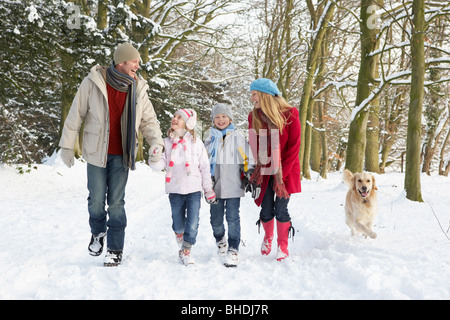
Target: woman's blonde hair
<point>273,107</point>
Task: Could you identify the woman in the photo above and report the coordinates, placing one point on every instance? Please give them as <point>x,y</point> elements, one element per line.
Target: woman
<point>274,137</point>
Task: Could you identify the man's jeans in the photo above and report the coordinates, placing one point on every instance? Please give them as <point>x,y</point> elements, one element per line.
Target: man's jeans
<point>229,207</point>
<point>186,214</point>
<point>108,184</point>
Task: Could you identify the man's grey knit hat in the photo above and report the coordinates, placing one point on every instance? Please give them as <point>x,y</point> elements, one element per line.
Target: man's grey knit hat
<point>125,52</point>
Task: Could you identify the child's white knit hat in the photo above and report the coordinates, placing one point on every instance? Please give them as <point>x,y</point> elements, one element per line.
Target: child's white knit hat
<point>189,116</point>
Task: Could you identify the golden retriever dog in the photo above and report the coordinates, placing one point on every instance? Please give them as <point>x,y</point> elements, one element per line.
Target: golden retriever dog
<point>360,202</point>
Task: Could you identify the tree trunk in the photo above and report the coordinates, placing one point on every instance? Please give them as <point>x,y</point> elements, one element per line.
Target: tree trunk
<point>372,162</point>
<point>68,84</point>
<point>413,140</point>
<point>442,159</point>
<point>323,143</point>
<point>372,135</point>
<point>319,147</point>
<point>433,111</point>
<point>356,143</point>
<point>394,110</point>
<point>102,14</point>
<point>357,134</point>
<point>316,149</point>
<point>68,93</point>
<point>306,167</point>
<point>140,33</point>
<point>311,66</point>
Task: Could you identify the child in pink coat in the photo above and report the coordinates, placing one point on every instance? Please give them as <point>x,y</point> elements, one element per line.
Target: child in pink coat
<point>187,175</point>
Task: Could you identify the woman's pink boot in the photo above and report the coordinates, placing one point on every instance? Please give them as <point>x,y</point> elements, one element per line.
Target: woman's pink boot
<point>266,246</point>
<point>283,229</point>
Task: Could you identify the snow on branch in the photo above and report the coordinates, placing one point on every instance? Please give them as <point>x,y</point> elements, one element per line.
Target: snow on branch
<point>177,75</point>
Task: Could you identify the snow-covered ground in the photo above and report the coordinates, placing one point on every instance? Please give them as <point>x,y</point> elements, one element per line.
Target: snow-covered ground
<point>45,233</point>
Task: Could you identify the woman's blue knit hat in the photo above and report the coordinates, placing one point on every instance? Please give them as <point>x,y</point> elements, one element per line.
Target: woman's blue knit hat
<point>265,85</point>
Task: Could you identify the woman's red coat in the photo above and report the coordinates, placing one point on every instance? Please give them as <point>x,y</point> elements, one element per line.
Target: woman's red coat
<point>290,148</point>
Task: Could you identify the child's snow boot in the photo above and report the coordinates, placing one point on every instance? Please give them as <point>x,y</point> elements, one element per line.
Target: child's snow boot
<point>185,254</point>
<point>222,247</point>
<point>283,229</point>
<point>179,239</point>
<point>266,245</point>
<point>232,258</point>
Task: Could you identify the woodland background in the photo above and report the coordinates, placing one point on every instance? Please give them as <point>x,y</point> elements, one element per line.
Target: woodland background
<point>369,77</point>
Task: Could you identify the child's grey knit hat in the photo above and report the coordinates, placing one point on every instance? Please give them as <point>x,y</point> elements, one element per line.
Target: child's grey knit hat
<point>221,108</point>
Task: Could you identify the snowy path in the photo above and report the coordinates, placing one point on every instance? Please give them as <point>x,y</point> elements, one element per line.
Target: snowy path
<point>45,233</point>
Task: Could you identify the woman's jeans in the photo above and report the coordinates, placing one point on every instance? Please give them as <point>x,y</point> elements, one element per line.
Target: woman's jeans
<point>273,206</point>
<point>108,185</point>
<point>186,214</point>
<point>229,208</point>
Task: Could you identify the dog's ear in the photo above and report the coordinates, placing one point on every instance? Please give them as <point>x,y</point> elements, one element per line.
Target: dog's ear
<point>353,182</point>
<point>374,186</point>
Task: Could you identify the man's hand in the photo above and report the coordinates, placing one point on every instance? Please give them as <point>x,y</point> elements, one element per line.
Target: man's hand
<point>67,156</point>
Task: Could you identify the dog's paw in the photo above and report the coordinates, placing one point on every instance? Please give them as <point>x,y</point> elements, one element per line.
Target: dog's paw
<point>372,234</point>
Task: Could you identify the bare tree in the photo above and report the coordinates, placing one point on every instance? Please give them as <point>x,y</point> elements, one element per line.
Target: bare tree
<point>320,18</point>
<point>413,142</point>
<point>367,74</point>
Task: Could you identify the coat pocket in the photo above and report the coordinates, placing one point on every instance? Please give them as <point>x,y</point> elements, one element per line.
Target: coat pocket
<point>92,138</point>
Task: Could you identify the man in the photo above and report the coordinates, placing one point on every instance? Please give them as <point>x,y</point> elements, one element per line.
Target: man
<point>114,105</point>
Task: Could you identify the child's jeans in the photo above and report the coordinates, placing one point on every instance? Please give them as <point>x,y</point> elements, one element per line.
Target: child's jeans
<point>229,207</point>
<point>186,214</point>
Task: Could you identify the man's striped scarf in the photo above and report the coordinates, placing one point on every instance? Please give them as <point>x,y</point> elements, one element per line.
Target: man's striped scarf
<point>174,157</point>
<point>125,83</point>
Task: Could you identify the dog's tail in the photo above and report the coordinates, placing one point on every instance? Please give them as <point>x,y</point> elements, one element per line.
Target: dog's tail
<point>347,178</point>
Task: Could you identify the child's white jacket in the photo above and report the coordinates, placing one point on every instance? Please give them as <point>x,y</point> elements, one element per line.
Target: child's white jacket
<point>199,178</point>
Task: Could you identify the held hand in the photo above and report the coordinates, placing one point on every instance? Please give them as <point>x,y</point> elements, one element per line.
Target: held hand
<point>210,197</point>
<point>67,156</point>
<point>254,189</point>
<point>154,152</point>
